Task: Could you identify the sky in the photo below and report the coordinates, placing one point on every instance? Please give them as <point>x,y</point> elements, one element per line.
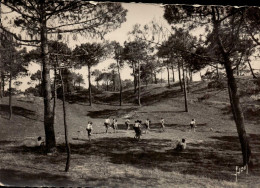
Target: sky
<point>138,13</point>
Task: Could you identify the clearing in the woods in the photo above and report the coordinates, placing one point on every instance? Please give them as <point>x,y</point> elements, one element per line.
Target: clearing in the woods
<point>116,159</point>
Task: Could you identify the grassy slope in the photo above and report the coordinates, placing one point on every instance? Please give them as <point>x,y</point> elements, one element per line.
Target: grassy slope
<point>116,159</point>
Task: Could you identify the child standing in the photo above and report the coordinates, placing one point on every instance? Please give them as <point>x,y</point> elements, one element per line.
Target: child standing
<point>162,124</point>
<point>192,125</point>
<point>114,125</point>
<point>127,124</point>
<point>89,129</point>
<point>107,124</point>
<point>137,128</point>
<point>147,125</point>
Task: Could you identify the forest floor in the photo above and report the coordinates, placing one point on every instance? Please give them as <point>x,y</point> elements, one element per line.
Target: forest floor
<point>117,159</point>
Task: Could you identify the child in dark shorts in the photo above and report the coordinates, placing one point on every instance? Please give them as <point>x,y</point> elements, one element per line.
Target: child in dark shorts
<point>137,128</point>
<point>89,129</point>
<point>192,125</point>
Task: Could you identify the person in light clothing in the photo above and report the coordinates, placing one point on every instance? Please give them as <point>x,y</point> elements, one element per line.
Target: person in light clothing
<point>114,125</point>
<point>89,129</point>
<point>192,125</point>
<point>162,124</point>
<point>127,124</point>
<point>147,125</point>
<point>107,124</point>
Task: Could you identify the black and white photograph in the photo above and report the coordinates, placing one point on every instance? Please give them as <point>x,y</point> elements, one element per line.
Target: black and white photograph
<point>129,94</point>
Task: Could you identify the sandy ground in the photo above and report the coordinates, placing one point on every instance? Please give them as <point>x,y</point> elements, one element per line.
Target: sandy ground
<point>116,159</point>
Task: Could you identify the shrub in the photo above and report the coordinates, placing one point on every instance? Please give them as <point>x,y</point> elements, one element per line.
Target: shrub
<point>216,84</point>
<point>34,91</point>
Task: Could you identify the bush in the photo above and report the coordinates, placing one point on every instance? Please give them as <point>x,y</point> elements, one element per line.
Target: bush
<point>249,87</point>
<point>216,84</point>
<point>33,90</point>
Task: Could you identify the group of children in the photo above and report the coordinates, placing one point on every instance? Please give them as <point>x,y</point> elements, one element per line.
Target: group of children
<point>137,128</point>
<point>113,125</point>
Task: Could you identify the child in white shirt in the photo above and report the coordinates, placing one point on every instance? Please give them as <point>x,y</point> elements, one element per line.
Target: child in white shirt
<point>192,125</point>
<point>107,124</point>
<point>89,129</point>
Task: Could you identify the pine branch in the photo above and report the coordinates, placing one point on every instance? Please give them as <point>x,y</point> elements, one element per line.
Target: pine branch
<point>19,11</point>
<point>18,38</point>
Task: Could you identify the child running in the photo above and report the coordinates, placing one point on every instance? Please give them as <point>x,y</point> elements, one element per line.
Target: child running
<point>127,124</point>
<point>192,125</point>
<point>107,124</point>
<point>162,124</point>
<point>147,125</point>
<point>137,128</point>
<point>89,129</point>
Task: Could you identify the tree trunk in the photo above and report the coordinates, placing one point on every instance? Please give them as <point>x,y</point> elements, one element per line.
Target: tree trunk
<point>120,84</point>
<point>234,99</point>
<point>184,88</point>
<point>155,78</point>
<point>65,126</point>
<point>3,84</point>
<point>139,85</point>
<point>179,72</point>
<point>55,91</point>
<point>173,79</point>
<point>161,77</point>
<point>1,73</point>
<point>187,81</point>
<point>1,92</point>
<point>253,74</point>
<point>238,114</point>
<point>237,70</point>
<point>217,71</point>
<point>46,82</point>
<point>89,87</point>
<point>135,80</point>
<point>191,78</point>
<point>168,72</point>
<point>10,96</point>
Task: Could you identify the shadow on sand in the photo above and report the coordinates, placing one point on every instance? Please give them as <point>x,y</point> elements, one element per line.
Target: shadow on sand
<point>22,179</point>
<point>17,110</point>
<point>213,159</point>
